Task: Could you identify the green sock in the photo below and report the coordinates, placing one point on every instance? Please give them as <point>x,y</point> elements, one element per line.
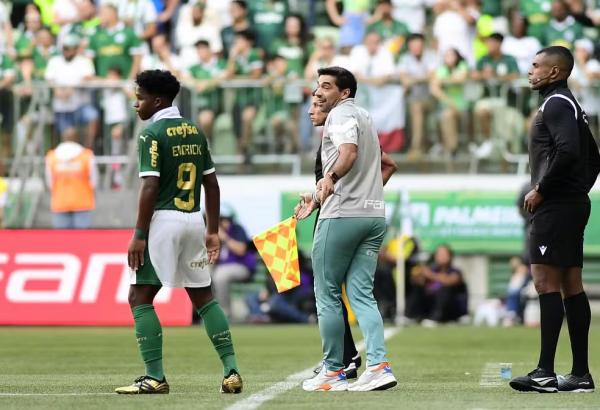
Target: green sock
<point>148,333</point>
<point>217,329</point>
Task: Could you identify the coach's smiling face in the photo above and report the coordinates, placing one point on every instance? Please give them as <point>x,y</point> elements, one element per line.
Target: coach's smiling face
<point>328,94</point>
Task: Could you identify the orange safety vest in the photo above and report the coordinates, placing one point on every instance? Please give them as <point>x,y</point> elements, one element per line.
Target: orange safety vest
<point>71,187</point>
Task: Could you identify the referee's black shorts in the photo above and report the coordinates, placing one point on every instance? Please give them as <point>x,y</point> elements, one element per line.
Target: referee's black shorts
<point>557,228</point>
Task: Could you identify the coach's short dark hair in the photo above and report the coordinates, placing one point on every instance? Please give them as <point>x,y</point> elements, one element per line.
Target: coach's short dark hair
<point>160,83</point>
<point>202,43</point>
<point>561,53</point>
<point>343,78</point>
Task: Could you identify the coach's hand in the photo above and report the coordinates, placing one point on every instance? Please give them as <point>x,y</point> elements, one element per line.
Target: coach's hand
<point>305,207</point>
<point>326,189</point>
<point>532,200</point>
<point>213,245</point>
<point>135,253</point>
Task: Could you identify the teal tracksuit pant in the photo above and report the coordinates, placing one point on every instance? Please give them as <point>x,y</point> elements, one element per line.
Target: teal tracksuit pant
<point>345,250</point>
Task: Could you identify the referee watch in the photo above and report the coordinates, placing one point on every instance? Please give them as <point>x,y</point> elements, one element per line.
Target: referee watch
<point>334,177</point>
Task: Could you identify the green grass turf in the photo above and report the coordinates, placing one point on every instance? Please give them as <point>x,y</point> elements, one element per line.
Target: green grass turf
<point>437,368</point>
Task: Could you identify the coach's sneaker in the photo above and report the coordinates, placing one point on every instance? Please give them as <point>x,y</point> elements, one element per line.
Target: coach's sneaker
<point>378,377</point>
<point>232,383</point>
<point>538,380</point>
<point>351,369</point>
<point>145,385</point>
<point>327,381</point>
<point>575,384</point>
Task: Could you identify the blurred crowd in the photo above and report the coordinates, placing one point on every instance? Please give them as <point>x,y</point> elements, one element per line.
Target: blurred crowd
<point>438,76</point>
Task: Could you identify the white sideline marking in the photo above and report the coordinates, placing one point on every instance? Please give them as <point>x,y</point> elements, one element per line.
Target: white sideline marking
<point>291,382</point>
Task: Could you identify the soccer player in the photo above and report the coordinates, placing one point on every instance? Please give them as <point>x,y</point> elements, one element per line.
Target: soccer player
<point>171,245</point>
<point>349,233</point>
<point>564,164</point>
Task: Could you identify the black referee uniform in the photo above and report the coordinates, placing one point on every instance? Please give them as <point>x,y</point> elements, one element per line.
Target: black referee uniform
<point>564,163</point>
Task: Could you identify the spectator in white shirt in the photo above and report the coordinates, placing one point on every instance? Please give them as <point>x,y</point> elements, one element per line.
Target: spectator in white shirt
<point>585,72</point>
<point>522,47</point>
<point>454,27</point>
<point>161,57</point>
<point>72,105</point>
<point>373,65</point>
<point>412,13</point>
<point>191,28</point>
<point>416,69</point>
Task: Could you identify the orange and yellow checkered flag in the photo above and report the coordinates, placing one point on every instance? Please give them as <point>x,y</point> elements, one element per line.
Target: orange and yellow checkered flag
<point>278,249</point>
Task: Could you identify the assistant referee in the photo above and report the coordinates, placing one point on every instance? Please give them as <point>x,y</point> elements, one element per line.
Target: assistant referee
<point>564,163</point>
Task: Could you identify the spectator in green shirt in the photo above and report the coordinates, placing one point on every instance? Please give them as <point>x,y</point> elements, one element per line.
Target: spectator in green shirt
<point>245,62</point>
<point>293,46</point>
<point>268,18</point>
<point>393,33</point>
<point>238,10</point>
<point>7,78</point>
<point>563,29</point>
<point>114,44</point>
<point>283,124</point>
<point>495,68</point>
<point>447,86</point>
<point>537,13</point>
<point>205,78</point>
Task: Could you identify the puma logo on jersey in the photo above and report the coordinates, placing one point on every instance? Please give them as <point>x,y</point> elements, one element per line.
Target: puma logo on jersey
<point>543,249</point>
<point>143,137</point>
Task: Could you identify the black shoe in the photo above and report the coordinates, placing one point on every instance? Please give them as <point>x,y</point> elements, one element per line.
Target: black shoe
<point>351,369</point>
<point>575,384</point>
<point>538,380</point>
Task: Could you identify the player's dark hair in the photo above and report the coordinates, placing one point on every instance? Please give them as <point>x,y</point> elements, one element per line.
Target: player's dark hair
<point>160,83</point>
<point>563,55</point>
<point>241,3</point>
<point>344,79</point>
<point>415,36</point>
<point>497,36</point>
<point>203,43</point>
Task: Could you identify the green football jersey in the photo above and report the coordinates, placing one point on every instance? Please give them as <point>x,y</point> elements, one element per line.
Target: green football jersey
<point>114,47</point>
<point>538,16</point>
<point>295,55</point>
<point>268,17</point>
<point>176,151</point>
<point>7,67</point>
<point>563,33</point>
<point>207,71</point>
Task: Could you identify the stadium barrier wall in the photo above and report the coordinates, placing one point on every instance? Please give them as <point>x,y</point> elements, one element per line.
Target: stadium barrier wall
<point>78,277</point>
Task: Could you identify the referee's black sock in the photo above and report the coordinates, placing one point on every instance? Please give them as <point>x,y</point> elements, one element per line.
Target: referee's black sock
<point>349,346</point>
<point>552,313</point>
<point>578,318</point>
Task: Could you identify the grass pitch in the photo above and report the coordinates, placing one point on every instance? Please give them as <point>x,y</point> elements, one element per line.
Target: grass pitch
<point>78,368</point>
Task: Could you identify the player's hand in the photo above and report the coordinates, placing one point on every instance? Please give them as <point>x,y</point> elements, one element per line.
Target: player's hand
<point>213,245</point>
<point>305,207</point>
<point>326,189</point>
<point>135,253</point>
<point>532,200</point>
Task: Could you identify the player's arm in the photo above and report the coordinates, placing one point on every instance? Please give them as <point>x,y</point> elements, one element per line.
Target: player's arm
<point>146,202</point>
<point>388,167</point>
<point>149,159</point>
<point>212,199</point>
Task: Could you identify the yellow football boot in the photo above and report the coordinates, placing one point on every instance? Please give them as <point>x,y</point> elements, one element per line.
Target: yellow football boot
<point>232,383</point>
<point>146,385</point>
